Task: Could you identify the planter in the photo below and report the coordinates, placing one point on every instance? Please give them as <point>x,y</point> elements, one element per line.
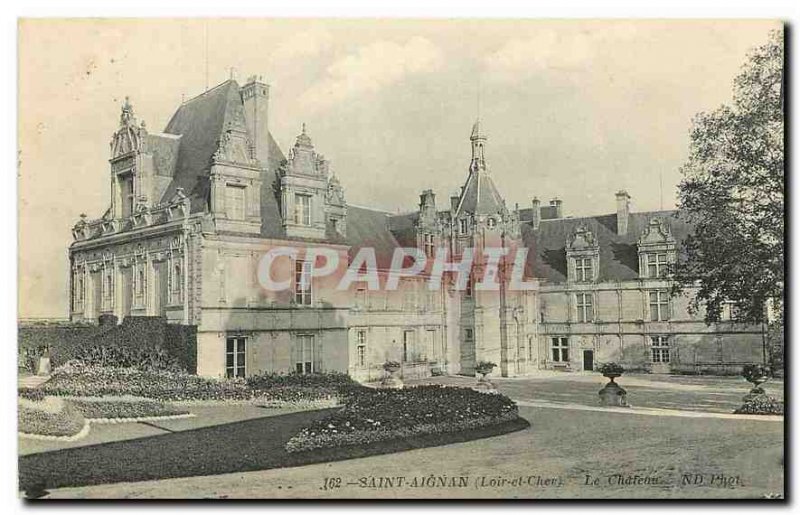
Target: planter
<point>483,383</point>
<point>755,375</point>
<point>391,380</point>
<point>613,394</point>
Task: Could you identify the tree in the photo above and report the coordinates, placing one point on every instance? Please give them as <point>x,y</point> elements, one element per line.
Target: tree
<point>732,193</point>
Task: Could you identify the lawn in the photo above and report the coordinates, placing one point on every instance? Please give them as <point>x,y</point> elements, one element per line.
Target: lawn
<point>254,444</point>
<point>712,394</point>
<point>562,444</point>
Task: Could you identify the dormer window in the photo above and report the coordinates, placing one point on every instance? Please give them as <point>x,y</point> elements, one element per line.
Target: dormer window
<point>234,202</point>
<point>491,223</point>
<point>656,264</point>
<point>126,194</point>
<point>583,269</point>
<point>302,209</point>
<point>428,245</point>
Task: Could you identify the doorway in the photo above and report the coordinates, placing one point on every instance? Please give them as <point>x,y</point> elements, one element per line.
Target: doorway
<point>588,360</point>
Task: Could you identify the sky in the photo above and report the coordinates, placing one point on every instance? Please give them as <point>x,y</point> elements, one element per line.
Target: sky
<point>573,109</point>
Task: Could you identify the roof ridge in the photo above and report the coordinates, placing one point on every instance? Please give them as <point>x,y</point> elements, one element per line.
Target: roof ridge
<point>206,92</point>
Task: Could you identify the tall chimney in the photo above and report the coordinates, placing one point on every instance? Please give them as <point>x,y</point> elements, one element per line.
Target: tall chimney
<point>557,204</point>
<point>536,213</point>
<point>255,98</point>
<point>623,210</point>
<point>454,203</point>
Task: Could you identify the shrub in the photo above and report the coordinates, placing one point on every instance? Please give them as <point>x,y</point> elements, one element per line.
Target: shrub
<point>755,372</point>
<point>66,420</point>
<point>378,415</point>
<point>485,367</point>
<point>124,408</point>
<point>611,368</point>
<point>761,405</point>
<point>326,379</point>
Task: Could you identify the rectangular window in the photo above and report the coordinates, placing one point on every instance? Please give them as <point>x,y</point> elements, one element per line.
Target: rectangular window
<point>302,283</point>
<point>177,282</point>
<point>234,202</point>
<point>235,352</point>
<point>127,196</point>
<point>656,264</point>
<point>659,348</point>
<point>468,287</point>
<point>361,347</point>
<point>584,304</point>
<point>302,209</point>
<point>659,306</point>
<point>409,346</point>
<point>560,347</point>
<point>463,225</point>
<point>468,335</point>
<point>428,245</point>
<point>306,359</point>
<point>361,297</point>
<point>583,269</point>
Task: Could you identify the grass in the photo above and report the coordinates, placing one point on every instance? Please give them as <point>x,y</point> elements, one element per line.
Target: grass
<point>561,443</point>
<point>256,444</point>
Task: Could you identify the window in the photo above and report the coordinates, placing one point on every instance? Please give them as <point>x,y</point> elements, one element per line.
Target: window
<point>361,297</point>
<point>302,209</point>
<point>234,202</point>
<point>660,349</point>
<point>656,264</point>
<point>306,355</point>
<point>463,225</point>
<point>302,283</point>
<point>235,347</point>
<point>126,194</point>
<point>584,304</point>
<point>583,269</point>
<point>361,347</point>
<point>428,245</point>
<point>560,347</point>
<point>79,288</point>
<point>659,305</point>
<point>492,223</point>
<point>409,347</point>
<point>409,297</point>
<point>468,288</point>
<point>139,286</point>
<point>531,348</point>
<point>177,282</point>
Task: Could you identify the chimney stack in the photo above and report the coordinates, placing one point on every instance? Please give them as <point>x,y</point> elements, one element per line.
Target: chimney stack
<point>623,210</point>
<point>454,203</point>
<point>536,213</point>
<point>557,203</point>
<point>255,99</point>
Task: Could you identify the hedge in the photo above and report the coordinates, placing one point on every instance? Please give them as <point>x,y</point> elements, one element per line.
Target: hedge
<point>124,408</point>
<point>761,405</point>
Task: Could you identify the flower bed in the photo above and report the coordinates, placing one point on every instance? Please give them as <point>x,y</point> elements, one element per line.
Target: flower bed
<point>55,418</point>
<point>125,408</point>
<point>91,381</point>
<point>168,385</point>
<point>761,405</point>
<point>380,415</point>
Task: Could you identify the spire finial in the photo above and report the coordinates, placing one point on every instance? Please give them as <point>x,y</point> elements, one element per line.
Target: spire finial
<point>304,128</point>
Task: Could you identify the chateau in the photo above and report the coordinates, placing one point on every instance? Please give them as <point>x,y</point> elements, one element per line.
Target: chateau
<point>194,208</point>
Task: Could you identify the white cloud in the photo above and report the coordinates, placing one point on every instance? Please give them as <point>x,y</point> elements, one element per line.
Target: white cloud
<point>300,45</point>
<point>553,49</point>
<point>371,68</point>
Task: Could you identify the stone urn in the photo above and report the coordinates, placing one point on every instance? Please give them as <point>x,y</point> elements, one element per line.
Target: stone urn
<point>390,380</point>
<point>756,375</point>
<point>613,394</point>
<point>484,368</point>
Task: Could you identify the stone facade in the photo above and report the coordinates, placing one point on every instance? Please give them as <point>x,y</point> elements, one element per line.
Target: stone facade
<point>195,208</point>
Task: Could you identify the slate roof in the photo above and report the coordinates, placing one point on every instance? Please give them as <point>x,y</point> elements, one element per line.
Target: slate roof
<point>480,195</point>
<point>619,257</point>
